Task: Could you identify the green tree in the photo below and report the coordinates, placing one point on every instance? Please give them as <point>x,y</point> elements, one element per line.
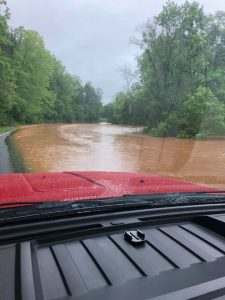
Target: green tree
<point>62,85</point>
<point>181,74</point>
<point>33,66</point>
<point>92,103</point>
<point>34,86</point>
<point>7,78</point>
<point>173,54</point>
<point>107,113</point>
<point>73,102</point>
<point>203,113</point>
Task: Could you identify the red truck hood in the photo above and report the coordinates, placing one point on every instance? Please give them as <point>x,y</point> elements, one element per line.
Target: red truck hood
<point>68,186</point>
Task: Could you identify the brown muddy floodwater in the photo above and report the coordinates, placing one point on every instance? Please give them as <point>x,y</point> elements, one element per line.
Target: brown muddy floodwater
<point>105,147</point>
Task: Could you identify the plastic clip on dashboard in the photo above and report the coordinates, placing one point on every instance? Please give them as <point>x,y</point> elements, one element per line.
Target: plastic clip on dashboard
<point>135,237</point>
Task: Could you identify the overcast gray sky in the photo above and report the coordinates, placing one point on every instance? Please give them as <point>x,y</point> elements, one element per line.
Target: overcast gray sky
<point>91,37</point>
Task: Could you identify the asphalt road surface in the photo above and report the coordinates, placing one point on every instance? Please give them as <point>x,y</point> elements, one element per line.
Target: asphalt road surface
<point>5,163</point>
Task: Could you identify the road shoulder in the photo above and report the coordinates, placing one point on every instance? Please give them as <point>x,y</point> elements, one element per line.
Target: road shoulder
<point>5,163</point>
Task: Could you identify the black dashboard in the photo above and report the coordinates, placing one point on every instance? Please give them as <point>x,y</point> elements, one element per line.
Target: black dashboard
<point>181,256</point>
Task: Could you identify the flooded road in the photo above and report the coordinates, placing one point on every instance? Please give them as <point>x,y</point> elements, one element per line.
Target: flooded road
<point>119,148</point>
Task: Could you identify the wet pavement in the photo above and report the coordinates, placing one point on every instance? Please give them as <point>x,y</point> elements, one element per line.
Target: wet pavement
<point>5,162</point>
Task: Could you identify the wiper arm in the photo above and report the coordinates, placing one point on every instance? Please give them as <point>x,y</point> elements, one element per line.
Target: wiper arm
<point>18,204</point>
<point>151,199</point>
<point>51,208</point>
<point>159,199</point>
<point>147,201</point>
<point>32,205</point>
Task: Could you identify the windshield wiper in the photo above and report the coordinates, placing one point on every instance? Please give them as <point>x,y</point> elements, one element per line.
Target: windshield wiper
<point>126,202</point>
<point>37,204</point>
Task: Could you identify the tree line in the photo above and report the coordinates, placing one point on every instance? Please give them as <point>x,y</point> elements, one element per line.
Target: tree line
<point>34,86</point>
<point>179,85</point>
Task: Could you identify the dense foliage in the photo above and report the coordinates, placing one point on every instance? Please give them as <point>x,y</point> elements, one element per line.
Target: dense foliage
<point>34,86</point>
<point>180,90</point>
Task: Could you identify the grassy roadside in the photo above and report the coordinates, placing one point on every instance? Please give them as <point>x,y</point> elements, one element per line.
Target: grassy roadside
<point>4,129</point>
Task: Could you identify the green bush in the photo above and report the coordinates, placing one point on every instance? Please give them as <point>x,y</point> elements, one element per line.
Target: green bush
<point>203,113</point>
<point>161,131</point>
<point>169,127</point>
<point>201,136</point>
<point>183,135</point>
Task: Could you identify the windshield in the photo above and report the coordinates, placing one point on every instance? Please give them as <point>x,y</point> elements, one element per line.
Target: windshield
<point>119,86</point>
